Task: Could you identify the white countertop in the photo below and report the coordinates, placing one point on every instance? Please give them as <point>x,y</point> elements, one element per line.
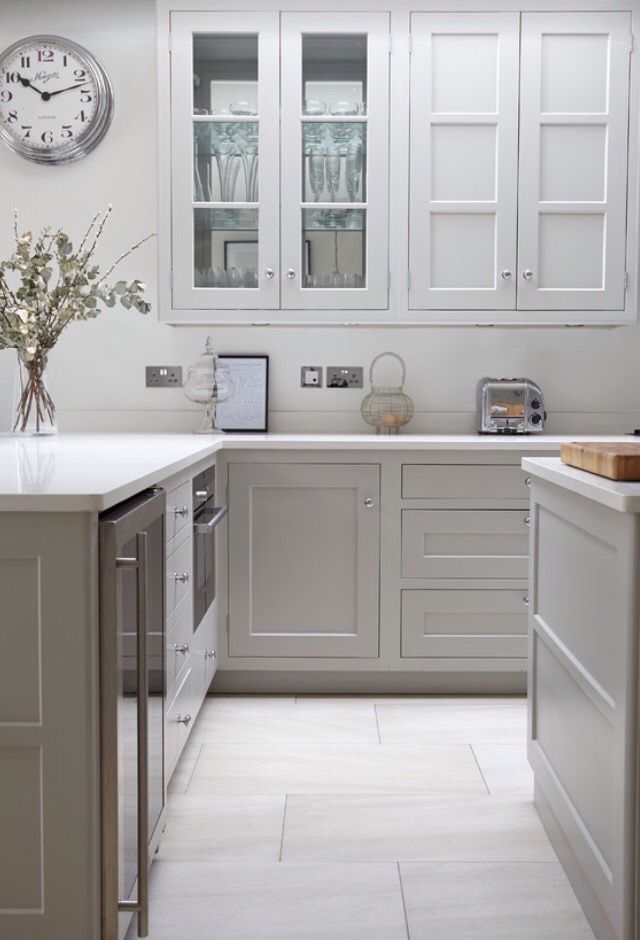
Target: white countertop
<point>91,472</point>
<point>625,497</point>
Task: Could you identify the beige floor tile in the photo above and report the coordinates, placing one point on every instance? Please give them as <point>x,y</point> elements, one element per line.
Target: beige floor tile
<point>388,828</point>
<point>205,828</point>
<point>278,720</point>
<point>337,768</point>
<point>248,901</point>
<point>452,721</point>
<point>184,769</point>
<point>505,769</point>
<point>491,902</point>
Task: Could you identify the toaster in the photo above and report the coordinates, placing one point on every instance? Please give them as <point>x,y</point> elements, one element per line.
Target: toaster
<point>510,406</point>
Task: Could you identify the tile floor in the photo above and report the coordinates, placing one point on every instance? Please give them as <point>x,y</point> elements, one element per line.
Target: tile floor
<point>358,818</point>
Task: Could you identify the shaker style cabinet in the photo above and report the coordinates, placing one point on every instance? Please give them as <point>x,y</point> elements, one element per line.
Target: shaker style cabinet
<point>518,158</point>
<point>304,560</point>
<point>276,204</point>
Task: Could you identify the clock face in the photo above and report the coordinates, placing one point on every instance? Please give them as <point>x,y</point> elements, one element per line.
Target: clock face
<point>56,102</point>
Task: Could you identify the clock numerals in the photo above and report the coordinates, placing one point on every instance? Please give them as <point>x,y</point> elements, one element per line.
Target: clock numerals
<point>80,75</point>
<point>46,137</point>
<point>6,96</point>
<point>81,116</point>
<point>85,96</point>
<point>25,61</point>
<point>67,131</point>
<point>26,129</point>
<point>45,55</point>
<point>12,117</point>
<point>10,77</point>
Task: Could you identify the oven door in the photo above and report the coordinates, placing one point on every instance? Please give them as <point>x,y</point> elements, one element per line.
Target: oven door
<point>205,523</point>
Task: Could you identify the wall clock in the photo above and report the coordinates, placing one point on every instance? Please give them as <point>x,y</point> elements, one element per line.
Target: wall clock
<point>56,100</point>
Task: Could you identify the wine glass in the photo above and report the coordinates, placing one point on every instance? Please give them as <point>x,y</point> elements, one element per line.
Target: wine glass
<point>316,172</point>
<point>332,170</point>
<point>353,169</point>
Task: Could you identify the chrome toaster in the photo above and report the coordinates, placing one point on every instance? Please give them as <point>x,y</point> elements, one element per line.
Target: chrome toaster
<point>510,406</point>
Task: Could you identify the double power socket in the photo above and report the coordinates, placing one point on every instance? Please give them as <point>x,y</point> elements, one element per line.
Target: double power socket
<point>337,376</point>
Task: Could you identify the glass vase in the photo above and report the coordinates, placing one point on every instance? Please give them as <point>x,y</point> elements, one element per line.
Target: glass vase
<point>34,410</point>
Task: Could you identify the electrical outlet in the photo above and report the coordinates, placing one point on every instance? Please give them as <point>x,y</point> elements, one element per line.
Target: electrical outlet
<point>163,376</point>
<point>311,377</point>
<point>344,376</point>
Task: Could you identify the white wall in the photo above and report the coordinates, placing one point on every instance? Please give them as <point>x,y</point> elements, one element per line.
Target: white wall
<point>591,377</point>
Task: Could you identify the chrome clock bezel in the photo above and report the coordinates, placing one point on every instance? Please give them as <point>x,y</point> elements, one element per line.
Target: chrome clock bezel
<point>76,149</point>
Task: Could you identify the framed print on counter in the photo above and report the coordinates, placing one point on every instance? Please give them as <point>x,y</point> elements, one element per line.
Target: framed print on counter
<point>248,407</point>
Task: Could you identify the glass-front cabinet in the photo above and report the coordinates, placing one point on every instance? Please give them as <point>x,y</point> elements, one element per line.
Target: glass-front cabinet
<point>279,140</point>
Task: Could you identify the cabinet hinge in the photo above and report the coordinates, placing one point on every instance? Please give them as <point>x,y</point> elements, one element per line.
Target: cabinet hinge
<point>171,280</point>
<point>169,44</point>
<point>228,624</point>
<point>626,281</point>
<point>388,280</point>
<point>408,280</point>
<point>410,43</point>
<point>631,43</point>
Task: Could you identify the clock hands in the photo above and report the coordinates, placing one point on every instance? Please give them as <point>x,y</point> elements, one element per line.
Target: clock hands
<point>27,84</point>
<point>45,95</point>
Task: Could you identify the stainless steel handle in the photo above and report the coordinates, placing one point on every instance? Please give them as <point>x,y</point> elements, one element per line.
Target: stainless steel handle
<point>181,648</point>
<point>203,527</point>
<point>202,494</point>
<point>525,601</point>
<point>527,520</point>
<point>369,502</point>
<point>209,654</point>
<point>269,274</point>
<point>181,578</point>
<point>506,275</point>
<point>527,481</point>
<point>183,720</point>
<point>291,274</point>
<point>141,906</point>
<point>528,274</point>
<point>181,511</point>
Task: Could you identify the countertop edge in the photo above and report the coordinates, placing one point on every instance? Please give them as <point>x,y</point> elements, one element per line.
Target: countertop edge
<point>622,497</point>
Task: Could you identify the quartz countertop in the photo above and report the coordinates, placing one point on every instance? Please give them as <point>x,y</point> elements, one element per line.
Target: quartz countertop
<point>624,497</point>
<point>91,472</point>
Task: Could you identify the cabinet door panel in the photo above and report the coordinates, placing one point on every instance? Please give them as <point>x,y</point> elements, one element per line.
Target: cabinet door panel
<point>335,161</point>
<point>225,125</point>
<point>460,623</point>
<point>304,560</point>
<point>464,130</point>
<point>573,161</point>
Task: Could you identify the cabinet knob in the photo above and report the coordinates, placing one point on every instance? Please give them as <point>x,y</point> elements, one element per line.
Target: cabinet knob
<point>181,511</point>
<point>291,274</point>
<point>506,275</point>
<point>527,481</point>
<point>181,578</point>
<point>528,274</point>
<point>527,520</point>
<point>181,648</point>
<point>183,720</point>
<point>369,502</point>
<point>269,274</point>
<point>209,654</point>
<point>525,601</point>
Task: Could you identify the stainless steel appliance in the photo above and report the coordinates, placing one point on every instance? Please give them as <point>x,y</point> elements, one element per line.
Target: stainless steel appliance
<point>206,516</point>
<point>132,641</point>
<point>510,406</point>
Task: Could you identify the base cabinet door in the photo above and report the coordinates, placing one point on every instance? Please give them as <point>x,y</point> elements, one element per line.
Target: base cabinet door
<point>304,557</point>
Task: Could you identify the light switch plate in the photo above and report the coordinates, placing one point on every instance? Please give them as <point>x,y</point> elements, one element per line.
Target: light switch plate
<point>344,376</point>
<point>311,377</point>
<point>163,376</point>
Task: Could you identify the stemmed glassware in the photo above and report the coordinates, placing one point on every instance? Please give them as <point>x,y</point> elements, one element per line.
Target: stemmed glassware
<point>353,169</point>
<point>316,171</point>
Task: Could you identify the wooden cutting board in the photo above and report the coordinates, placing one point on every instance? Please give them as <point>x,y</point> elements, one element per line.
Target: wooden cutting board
<point>614,461</point>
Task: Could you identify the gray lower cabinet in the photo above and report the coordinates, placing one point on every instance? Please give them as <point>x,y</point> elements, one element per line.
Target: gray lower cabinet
<point>304,560</point>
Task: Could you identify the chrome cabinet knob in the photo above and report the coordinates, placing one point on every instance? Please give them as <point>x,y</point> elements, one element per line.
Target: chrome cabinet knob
<point>181,511</point>
<point>525,601</point>
<point>528,274</point>
<point>202,494</point>
<point>291,274</point>
<point>527,481</point>
<point>183,720</point>
<point>369,502</point>
<point>269,274</point>
<point>181,648</point>
<point>209,654</point>
<point>181,578</point>
<point>506,275</point>
<point>527,520</point>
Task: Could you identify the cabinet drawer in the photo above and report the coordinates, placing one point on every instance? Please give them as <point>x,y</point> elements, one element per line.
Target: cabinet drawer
<point>179,510</point>
<point>179,641</point>
<point>179,575</point>
<point>465,543</point>
<point>464,481</point>
<point>176,731</point>
<point>460,623</point>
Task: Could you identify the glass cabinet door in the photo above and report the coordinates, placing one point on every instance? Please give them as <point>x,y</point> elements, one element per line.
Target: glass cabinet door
<point>335,88</point>
<point>225,201</point>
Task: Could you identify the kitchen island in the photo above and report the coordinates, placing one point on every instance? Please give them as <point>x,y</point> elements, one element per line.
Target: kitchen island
<point>584,618</point>
<point>425,534</point>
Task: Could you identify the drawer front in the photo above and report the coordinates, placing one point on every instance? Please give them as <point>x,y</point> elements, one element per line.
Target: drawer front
<point>465,543</point>
<point>179,575</point>
<point>179,642</point>
<point>179,510</point>
<point>176,731</point>
<point>495,483</point>
<point>458,623</point>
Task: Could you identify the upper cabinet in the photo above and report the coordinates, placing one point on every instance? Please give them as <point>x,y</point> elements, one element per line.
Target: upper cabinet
<point>435,167</point>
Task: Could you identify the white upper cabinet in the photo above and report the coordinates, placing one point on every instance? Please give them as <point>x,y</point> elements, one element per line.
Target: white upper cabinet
<point>464,160</point>
<point>335,169</point>
<point>225,151</point>
<point>573,161</point>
